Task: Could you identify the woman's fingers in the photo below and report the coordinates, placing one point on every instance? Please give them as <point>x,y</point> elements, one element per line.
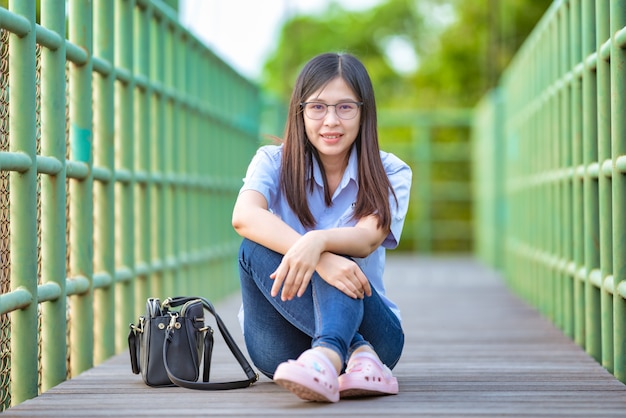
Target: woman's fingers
<point>297,267</point>
<point>304,284</point>
<point>278,281</point>
<point>365,284</point>
<point>344,274</point>
<point>358,283</point>
<point>293,282</point>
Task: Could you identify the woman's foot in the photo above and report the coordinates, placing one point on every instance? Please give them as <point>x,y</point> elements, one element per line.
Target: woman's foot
<point>311,377</point>
<point>366,375</point>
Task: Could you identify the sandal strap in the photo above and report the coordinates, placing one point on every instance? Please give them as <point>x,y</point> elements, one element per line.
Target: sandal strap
<point>358,358</point>
<point>321,358</point>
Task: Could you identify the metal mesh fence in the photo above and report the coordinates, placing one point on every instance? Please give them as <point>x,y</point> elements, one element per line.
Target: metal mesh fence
<point>5,248</point>
<point>126,164</point>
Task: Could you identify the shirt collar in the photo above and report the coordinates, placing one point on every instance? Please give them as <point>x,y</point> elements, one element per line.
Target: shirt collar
<point>349,174</point>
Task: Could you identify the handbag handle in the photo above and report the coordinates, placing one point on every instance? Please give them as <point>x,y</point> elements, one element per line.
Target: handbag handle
<point>243,362</point>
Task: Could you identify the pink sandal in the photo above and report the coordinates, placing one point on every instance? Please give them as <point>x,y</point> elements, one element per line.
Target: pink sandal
<point>311,377</point>
<point>366,376</point>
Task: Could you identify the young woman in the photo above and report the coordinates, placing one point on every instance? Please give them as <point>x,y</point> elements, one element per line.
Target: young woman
<point>317,213</point>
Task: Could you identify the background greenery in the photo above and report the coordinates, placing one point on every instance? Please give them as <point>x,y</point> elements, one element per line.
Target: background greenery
<point>461,46</point>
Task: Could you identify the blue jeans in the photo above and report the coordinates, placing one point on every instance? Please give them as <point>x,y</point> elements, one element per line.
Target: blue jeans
<point>276,331</point>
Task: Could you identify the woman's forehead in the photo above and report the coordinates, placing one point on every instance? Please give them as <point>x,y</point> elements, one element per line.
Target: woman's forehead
<point>336,90</point>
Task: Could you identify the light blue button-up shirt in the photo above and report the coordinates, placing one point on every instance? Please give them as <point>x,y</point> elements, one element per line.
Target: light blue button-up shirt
<point>263,176</point>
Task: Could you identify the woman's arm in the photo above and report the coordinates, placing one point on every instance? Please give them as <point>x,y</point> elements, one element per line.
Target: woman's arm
<point>359,240</point>
<point>252,219</point>
<point>303,254</point>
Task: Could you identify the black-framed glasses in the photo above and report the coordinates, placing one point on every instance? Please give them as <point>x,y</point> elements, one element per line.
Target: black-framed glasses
<point>343,110</point>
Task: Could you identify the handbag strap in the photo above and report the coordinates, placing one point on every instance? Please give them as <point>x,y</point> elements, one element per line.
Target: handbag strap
<point>243,362</point>
<point>208,351</point>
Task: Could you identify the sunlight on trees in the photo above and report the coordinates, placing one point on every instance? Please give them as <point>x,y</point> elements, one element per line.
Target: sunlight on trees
<point>420,53</point>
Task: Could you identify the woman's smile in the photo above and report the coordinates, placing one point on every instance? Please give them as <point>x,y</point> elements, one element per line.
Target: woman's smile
<point>331,137</point>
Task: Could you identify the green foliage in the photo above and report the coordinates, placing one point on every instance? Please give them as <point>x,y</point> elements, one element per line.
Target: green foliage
<point>462,47</point>
<point>361,33</point>
<point>475,49</point>
<point>5,4</point>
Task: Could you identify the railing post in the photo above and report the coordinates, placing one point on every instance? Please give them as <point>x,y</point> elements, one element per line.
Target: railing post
<point>590,160</point>
<point>421,148</point>
<point>53,199</point>
<point>143,142</point>
<point>194,161</point>
<point>181,167</point>
<point>157,157</point>
<point>568,182</point>
<point>566,148</point>
<point>170,173</point>
<point>618,149</point>
<point>547,191</point>
<point>23,212</point>
<point>81,192</point>
<point>104,191</point>
<point>603,71</point>
<point>124,163</point>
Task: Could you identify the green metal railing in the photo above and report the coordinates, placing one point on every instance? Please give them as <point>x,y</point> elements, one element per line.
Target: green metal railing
<point>436,144</point>
<point>122,147</point>
<point>555,131</point>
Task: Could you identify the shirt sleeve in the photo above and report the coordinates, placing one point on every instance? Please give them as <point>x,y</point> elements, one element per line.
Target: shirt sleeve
<point>400,177</point>
<point>263,173</point>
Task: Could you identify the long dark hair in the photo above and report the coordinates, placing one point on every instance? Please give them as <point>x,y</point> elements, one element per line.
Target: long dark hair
<point>298,153</point>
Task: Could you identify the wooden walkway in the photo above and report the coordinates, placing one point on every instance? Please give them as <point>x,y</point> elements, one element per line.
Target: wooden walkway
<point>472,349</point>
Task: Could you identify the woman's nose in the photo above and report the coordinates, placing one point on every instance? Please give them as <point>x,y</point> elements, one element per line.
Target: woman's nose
<point>331,117</point>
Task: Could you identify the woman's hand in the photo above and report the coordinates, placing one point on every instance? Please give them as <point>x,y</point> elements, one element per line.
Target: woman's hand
<point>344,274</point>
<point>305,257</point>
<point>307,253</point>
<point>297,266</point>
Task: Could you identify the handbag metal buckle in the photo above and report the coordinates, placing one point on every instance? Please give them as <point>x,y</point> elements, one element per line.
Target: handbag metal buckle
<point>139,327</point>
<point>173,323</point>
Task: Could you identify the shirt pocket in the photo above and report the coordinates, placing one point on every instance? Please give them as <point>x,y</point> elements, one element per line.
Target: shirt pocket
<point>346,218</point>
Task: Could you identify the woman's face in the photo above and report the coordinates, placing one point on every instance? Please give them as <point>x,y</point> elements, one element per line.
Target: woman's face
<point>332,135</point>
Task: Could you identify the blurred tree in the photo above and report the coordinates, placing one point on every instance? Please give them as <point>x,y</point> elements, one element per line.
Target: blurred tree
<point>473,51</point>
<point>365,34</point>
<point>5,4</point>
<point>460,47</point>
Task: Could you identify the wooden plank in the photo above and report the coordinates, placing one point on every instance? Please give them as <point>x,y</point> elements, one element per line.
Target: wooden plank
<point>472,349</point>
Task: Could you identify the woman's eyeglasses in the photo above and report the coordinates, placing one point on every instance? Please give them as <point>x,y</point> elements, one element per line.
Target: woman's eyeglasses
<point>343,110</point>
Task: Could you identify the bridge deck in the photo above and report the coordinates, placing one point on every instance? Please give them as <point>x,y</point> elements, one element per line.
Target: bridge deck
<point>472,349</point>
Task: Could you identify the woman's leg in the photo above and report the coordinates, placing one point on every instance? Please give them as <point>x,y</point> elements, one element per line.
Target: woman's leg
<point>270,338</point>
<point>326,315</point>
<point>375,349</point>
<point>381,329</point>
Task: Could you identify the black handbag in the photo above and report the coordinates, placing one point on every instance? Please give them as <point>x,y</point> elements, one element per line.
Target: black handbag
<point>173,347</point>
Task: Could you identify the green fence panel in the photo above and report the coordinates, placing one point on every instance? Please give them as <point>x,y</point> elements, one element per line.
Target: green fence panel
<point>617,16</point>
<point>561,126</point>
<point>120,160</point>
<point>488,203</point>
<point>53,198</point>
<point>22,132</point>
<point>436,144</point>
